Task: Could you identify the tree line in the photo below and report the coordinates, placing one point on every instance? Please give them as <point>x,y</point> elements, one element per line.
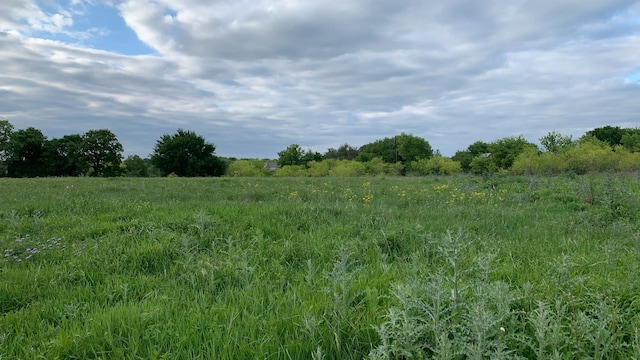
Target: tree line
<point>28,153</point>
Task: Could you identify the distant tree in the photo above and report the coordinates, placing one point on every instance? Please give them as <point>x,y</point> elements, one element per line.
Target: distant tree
<point>403,148</point>
<point>292,155</point>
<point>631,140</point>
<point>466,157</point>
<point>152,169</point>
<point>66,156</point>
<point>309,156</point>
<point>385,149</point>
<point>504,151</point>
<point>26,150</point>
<point>104,153</point>
<point>344,152</point>
<point>555,142</point>
<point>6,129</point>
<point>413,148</point>
<point>478,148</point>
<point>186,154</point>
<point>612,135</point>
<point>134,166</point>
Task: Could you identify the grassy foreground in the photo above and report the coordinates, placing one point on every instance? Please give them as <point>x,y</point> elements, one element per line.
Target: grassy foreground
<point>448,268</point>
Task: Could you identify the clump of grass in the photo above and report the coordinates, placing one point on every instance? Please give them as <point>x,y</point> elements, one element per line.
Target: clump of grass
<point>462,313</point>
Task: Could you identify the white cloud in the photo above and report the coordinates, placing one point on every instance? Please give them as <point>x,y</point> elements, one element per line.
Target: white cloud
<point>255,76</point>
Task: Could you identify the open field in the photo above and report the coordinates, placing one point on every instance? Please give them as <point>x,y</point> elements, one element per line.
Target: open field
<point>265,268</point>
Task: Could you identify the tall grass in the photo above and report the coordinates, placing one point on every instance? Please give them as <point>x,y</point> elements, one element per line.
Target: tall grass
<point>434,267</point>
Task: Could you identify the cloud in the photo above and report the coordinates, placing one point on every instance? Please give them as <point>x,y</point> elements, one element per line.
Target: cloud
<point>256,76</point>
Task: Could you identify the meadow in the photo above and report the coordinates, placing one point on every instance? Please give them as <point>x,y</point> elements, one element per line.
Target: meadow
<point>320,268</point>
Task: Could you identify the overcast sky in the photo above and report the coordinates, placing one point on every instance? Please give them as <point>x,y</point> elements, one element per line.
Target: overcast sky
<point>254,76</point>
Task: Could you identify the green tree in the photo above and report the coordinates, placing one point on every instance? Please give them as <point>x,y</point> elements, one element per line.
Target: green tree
<point>413,148</point>
<point>66,156</point>
<point>6,129</point>
<point>104,153</point>
<point>152,169</point>
<point>309,156</point>
<point>344,152</point>
<point>403,148</point>
<point>134,166</point>
<point>631,140</point>
<point>611,135</point>
<point>26,149</point>
<point>466,157</point>
<point>504,151</point>
<point>292,155</point>
<point>186,154</point>
<point>555,142</point>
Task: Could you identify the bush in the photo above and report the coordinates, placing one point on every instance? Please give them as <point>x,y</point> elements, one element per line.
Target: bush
<point>438,165</point>
<point>251,167</point>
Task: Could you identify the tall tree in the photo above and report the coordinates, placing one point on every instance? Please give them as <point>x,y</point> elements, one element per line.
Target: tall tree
<point>401,148</point>
<point>555,142</point>
<point>186,153</point>
<point>504,151</point>
<point>104,152</point>
<point>134,166</point>
<point>466,157</point>
<point>631,140</point>
<point>310,155</point>
<point>66,156</point>
<point>26,153</point>
<point>413,148</point>
<point>292,155</point>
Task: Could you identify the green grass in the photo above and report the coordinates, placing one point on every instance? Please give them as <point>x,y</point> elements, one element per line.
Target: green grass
<point>442,267</point>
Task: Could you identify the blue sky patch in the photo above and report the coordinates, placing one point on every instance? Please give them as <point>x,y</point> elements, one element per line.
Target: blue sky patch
<point>101,27</point>
<point>113,34</point>
<point>632,78</point>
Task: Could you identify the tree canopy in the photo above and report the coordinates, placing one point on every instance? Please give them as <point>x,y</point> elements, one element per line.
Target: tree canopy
<point>186,153</point>
<point>344,152</point>
<point>555,142</point>
<point>66,156</point>
<point>104,152</point>
<point>402,148</point>
<point>26,149</point>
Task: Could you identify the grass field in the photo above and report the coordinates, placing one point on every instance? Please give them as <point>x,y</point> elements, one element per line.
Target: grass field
<point>300,268</point>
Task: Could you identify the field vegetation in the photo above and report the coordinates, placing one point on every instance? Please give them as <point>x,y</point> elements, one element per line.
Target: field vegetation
<point>462,267</point>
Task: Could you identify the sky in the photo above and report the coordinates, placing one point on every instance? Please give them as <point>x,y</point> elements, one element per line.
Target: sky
<point>255,76</point>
